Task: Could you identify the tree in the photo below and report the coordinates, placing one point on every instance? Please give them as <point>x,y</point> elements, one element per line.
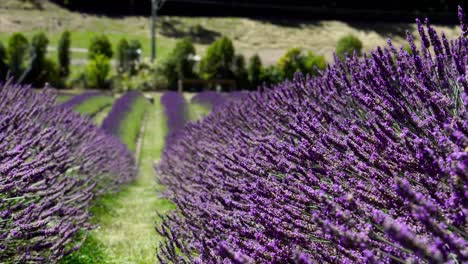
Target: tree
<point>347,45</point>
<point>255,70</point>
<point>63,54</point>
<point>100,45</point>
<point>219,60</point>
<point>292,61</point>
<point>180,63</point>
<point>240,73</point>
<point>17,49</point>
<point>97,71</point>
<point>37,71</point>
<point>122,53</point>
<point>314,63</point>
<point>133,55</point>
<point>3,62</point>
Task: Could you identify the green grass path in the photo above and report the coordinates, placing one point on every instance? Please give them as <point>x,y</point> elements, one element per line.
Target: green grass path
<point>127,229</point>
<point>126,219</point>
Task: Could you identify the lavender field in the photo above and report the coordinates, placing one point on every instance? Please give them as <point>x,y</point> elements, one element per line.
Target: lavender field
<point>363,161</point>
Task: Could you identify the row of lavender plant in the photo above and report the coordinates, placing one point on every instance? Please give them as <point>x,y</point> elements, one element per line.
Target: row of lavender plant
<point>52,163</point>
<point>120,109</point>
<point>211,98</point>
<point>364,164</point>
<point>79,99</point>
<point>175,110</point>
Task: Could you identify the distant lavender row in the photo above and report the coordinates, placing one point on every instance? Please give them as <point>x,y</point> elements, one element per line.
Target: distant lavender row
<point>79,99</point>
<point>364,164</point>
<point>52,163</point>
<point>119,111</point>
<point>175,110</point>
<point>214,99</point>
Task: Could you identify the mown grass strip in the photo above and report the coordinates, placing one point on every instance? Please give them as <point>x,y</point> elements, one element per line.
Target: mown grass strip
<point>126,220</point>
<point>198,111</point>
<point>94,105</point>
<point>131,125</point>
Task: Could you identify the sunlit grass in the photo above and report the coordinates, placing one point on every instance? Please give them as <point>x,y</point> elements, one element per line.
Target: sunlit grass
<point>197,111</point>
<point>131,125</point>
<point>126,220</point>
<point>94,105</point>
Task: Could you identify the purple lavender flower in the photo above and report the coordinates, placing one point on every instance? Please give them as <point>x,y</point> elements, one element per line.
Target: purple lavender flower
<point>364,164</point>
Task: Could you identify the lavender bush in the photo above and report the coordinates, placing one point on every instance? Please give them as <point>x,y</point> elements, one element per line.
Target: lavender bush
<point>175,110</point>
<point>79,99</point>
<point>364,164</point>
<point>52,163</point>
<point>211,98</point>
<point>120,109</point>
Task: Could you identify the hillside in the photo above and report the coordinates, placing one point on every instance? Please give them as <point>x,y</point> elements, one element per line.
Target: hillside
<point>269,38</point>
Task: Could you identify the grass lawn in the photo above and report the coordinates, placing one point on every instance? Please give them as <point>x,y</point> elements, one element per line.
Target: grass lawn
<point>126,220</point>
<point>94,105</point>
<point>197,111</point>
<point>99,117</point>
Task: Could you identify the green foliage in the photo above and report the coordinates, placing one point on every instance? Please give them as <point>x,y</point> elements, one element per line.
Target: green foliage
<point>143,80</point>
<point>255,71</point>
<point>37,72</point>
<point>97,72</point>
<point>133,55</point>
<point>51,74</point>
<point>218,62</point>
<point>122,57</point>
<point>407,48</point>
<point>295,60</point>
<point>17,50</point>
<point>292,61</point>
<point>100,45</point>
<point>347,45</point>
<point>240,73</point>
<point>91,252</point>
<point>180,63</point>
<point>313,63</point>
<point>3,62</point>
<point>63,53</point>
<point>129,54</point>
<point>271,75</point>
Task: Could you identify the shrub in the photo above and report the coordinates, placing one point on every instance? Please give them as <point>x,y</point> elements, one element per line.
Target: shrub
<point>63,54</point>
<point>348,45</point>
<point>313,63</point>
<point>218,61</point>
<point>180,63</point>
<point>3,62</point>
<point>100,45</point>
<point>292,61</point>
<point>125,118</point>
<point>37,73</point>
<point>366,163</point>
<point>51,74</point>
<point>255,71</point>
<point>53,162</point>
<point>17,50</point>
<point>97,71</point>
<point>271,75</point>
<point>176,113</point>
<point>240,73</point>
